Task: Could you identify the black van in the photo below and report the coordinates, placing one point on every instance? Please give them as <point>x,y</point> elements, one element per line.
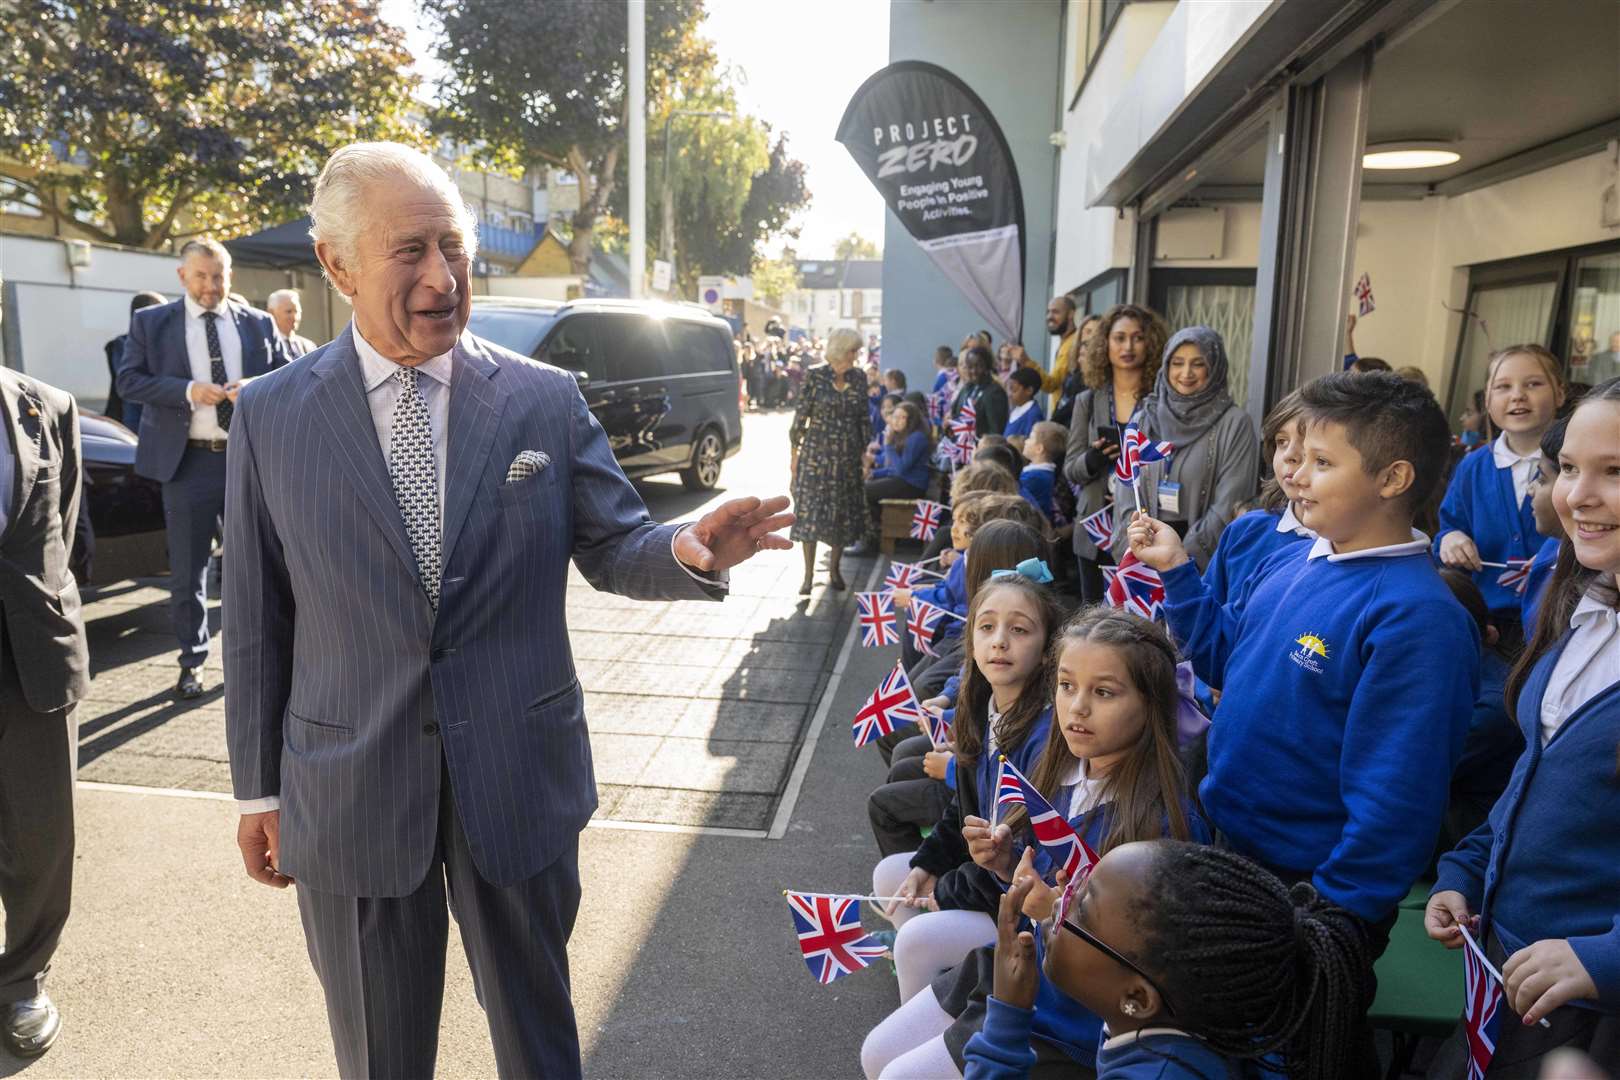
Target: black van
<point>660,378</point>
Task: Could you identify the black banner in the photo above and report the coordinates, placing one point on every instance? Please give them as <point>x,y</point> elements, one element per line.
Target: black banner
<point>942,164</point>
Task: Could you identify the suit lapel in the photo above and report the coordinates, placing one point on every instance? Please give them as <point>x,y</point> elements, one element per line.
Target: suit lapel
<point>340,402</point>
<point>22,471</point>
<point>254,361</point>
<point>181,362</point>
<point>476,403</point>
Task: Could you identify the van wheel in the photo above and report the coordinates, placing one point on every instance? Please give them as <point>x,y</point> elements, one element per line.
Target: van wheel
<point>704,472</point>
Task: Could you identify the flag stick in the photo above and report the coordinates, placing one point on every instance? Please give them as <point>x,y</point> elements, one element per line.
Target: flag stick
<point>853,896</point>
<point>1503,565</point>
<point>1136,495</point>
<point>995,801</point>
<point>1480,953</point>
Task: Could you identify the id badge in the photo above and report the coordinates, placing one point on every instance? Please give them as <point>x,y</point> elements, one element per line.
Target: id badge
<point>1170,498</point>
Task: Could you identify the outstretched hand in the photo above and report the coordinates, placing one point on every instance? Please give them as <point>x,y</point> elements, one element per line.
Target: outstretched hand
<point>1156,543</point>
<point>732,532</point>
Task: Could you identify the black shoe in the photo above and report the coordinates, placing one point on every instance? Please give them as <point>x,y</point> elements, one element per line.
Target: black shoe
<point>31,1026</point>
<point>807,586</point>
<point>189,686</point>
<point>864,547</point>
<point>837,584</point>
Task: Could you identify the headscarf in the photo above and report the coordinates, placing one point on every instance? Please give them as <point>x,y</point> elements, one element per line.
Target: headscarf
<point>1180,418</point>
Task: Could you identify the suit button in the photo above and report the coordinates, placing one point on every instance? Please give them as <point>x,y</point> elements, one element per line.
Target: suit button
<point>439,654</point>
<point>430,728</point>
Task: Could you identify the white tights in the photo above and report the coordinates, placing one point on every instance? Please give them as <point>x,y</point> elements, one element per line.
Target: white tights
<point>927,942</point>
<point>910,1043</point>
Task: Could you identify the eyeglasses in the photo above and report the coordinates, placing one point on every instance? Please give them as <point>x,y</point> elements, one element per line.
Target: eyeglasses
<point>1103,947</point>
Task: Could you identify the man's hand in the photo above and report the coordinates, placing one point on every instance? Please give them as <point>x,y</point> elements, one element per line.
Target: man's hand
<point>203,393</point>
<point>732,532</point>
<point>234,389</point>
<point>1016,977</point>
<point>1542,976</point>
<point>1156,543</point>
<point>259,837</point>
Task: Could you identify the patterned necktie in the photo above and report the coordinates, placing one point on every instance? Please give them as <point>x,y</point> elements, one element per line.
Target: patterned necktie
<point>415,476</point>
<point>216,367</point>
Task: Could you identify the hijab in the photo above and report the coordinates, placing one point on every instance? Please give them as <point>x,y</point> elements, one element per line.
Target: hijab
<point>1180,418</point>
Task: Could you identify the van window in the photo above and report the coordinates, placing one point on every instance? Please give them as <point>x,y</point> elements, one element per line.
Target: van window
<point>638,347</point>
<point>698,349</point>
<point>574,347</point>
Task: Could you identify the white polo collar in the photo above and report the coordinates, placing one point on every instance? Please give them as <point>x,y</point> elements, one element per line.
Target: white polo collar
<point>1415,546</point>
<point>1288,523</point>
<point>1506,457</point>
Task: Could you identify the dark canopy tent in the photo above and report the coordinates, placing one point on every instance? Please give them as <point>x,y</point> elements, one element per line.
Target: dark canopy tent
<point>282,247</point>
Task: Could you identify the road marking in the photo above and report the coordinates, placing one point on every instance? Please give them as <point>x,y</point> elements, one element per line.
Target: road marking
<point>626,826</point>
<point>790,796</point>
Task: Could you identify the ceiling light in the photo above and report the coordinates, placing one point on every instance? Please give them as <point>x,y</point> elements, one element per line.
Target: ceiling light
<point>1409,155</point>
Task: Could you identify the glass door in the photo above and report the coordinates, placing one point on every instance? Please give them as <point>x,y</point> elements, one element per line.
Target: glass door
<point>1594,321</point>
<point>1222,300</point>
<point>1514,313</point>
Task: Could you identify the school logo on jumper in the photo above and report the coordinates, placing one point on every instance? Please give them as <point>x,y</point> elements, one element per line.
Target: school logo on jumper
<point>1311,652</point>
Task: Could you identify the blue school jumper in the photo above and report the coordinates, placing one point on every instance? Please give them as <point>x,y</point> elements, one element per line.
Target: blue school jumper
<point>909,463</point>
<point>1026,421</point>
<point>1243,546</point>
<point>1001,1051</point>
<point>1541,568</point>
<point>1349,684</point>
<point>951,594</point>
<point>1546,863</point>
<point>1035,484</point>
<point>1481,503</point>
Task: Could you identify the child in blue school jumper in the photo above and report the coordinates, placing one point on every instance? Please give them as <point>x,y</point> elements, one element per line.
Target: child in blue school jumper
<point>1539,882</point>
<point>1268,997</point>
<point>1247,541</point>
<point>1486,514</point>
<point>1044,452</point>
<point>1547,524</point>
<point>1023,411</point>
<point>1110,766</point>
<point>1349,671</point>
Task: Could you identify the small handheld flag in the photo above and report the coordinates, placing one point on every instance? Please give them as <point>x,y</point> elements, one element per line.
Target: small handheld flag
<point>1135,586</point>
<point>1482,1007</point>
<point>1051,830</point>
<point>1516,576</point>
<point>966,421</point>
<point>1100,526</point>
<point>879,624</point>
<point>925,519</point>
<point>1364,297</point>
<point>890,705</point>
<point>939,728</point>
<point>921,619</point>
<point>907,576</point>
<point>831,937</point>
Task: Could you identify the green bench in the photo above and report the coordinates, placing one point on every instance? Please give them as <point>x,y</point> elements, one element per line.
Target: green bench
<point>1420,984</point>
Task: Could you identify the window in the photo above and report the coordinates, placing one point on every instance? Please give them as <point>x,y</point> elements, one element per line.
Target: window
<point>1222,300</point>
<point>1594,323</point>
<point>636,347</point>
<point>576,347</point>
<point>515,329</point>
<point>695,349</point>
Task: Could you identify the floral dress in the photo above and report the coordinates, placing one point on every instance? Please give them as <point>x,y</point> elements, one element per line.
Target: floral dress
<point>830,432</point>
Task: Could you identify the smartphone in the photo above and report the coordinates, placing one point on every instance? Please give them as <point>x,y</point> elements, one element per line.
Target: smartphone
<point>1109,434</point>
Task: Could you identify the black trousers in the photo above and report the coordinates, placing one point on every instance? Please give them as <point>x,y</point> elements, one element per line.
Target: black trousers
<point>886,487</point>
<point>38,758</point>
<point>381,962</point>
<point>911,801</point>
<point>193,502</point>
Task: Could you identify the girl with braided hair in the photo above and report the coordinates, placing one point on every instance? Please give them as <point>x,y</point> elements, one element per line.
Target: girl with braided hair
<point>1201,964</point>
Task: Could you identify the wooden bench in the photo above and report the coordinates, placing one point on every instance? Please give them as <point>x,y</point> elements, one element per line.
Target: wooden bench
<point>894,521</point>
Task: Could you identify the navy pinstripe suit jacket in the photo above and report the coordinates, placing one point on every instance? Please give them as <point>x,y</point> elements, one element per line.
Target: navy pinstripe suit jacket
<point>343,690</point>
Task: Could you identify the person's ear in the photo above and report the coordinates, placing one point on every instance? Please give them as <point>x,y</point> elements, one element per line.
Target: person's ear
<point>1397,480</point>
<point>334,267</point>
<point>1492,636</point>
<point>1140,1002</point>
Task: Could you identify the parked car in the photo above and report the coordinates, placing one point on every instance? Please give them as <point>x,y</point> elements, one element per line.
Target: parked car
<point>660,378</point>
<point>120,532</point>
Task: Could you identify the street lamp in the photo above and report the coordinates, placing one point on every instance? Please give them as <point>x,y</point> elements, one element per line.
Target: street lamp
<point>667,234</point>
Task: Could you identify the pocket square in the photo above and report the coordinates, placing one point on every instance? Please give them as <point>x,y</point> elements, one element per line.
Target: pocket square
<point>528,463</point>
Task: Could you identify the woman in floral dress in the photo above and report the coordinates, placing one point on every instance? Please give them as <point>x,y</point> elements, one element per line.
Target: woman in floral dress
<point>829,433</point>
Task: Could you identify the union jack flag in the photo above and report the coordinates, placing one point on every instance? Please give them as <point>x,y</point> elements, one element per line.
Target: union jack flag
<point>1482,1009</point>
<point>1100,526</point>
<point>1051,830</point>
<point>1516,576</point>
<point>939,728</point>
<point>957,451</point>
<point>1136,448</point>
<point>925,519</point>
<point>921,619</point>
<point>901,575</point>
<point>831,936</point>
<point>890,705</point>
<point>879,624</point>
<point>967,418</point>
<point>1364,297</point>
<point>1135,586</point>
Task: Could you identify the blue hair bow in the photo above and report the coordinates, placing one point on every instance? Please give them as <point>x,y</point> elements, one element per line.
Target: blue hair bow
<point>1033,569</point>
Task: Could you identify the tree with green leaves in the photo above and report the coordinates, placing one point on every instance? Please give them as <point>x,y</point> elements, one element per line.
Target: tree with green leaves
<point>776,279</point>
<point>856,246</point>
<point>531,84</point>
<point>147,121</point>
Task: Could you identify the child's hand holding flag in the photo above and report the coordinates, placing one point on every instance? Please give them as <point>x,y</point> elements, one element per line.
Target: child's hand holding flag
<point>1155,543</point>
<point>989,845</point>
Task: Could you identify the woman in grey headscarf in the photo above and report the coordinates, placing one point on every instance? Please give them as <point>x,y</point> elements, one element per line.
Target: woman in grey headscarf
<point>1216,462</point>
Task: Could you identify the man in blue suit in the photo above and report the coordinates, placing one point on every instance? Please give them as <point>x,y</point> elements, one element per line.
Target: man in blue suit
<point>184,363</point>
<point>402,710</point>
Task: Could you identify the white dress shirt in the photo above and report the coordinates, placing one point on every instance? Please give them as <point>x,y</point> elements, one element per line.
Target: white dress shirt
<point>1415,546</point>
<point>1524,466</point>
<point>204,418</point>
<point>1589,664</point>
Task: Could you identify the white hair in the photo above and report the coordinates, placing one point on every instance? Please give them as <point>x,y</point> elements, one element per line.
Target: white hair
<point>843,340</point>
<point>337,209</point>
<point>282,294</point>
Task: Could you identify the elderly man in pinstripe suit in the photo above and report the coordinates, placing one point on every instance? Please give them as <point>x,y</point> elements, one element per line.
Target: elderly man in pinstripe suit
<point>404,721</point>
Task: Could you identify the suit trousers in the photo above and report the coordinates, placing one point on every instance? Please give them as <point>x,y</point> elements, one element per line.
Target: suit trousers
<point>193,502</point>
<point>381,963</point>
<point>38,758</point>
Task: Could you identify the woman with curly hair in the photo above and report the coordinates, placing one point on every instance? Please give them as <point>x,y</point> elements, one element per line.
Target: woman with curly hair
<point>1120,366</point>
